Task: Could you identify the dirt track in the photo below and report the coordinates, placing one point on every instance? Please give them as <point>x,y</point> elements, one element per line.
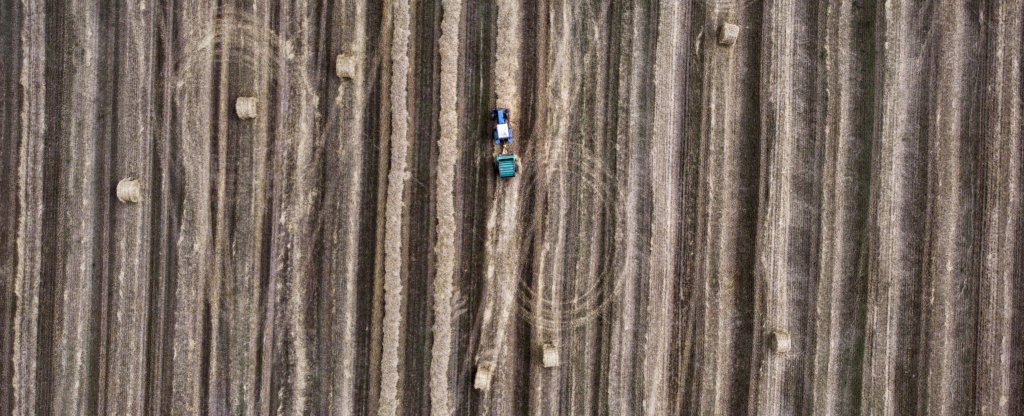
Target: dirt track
<point>847,175</point>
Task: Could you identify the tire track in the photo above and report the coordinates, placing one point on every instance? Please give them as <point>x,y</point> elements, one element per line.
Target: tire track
<point>224,28</point>
<point>350,103</point>
<point>951,282</point>
<point>28,272</point>
<point>623,397</point>
<point>727,197</point>
<point>252,63</point>
<point>474,194</point>
<point>298,167</point>
<point>779,154</point>
<point>77,273</point>
<point>160,335</point>
<point>665,170</point>
<point>682,387</point>
<point>545,313</point>
<point>11,143</point>
<point>501,252</point>
<point>583,360</point>
<point>919,199</point>
<point>895,257</point>
<point>192,249</point>
<point>1002,218</point>
<point>131,223</point>
<point>845,135</point>
<point>587,286</point>
<point>250,45</point>
<point>420,221</point>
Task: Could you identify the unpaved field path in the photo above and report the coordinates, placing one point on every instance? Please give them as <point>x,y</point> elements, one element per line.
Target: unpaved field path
<point>822,215</point>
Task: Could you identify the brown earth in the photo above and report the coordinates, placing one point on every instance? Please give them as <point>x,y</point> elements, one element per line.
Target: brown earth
<point>823,217</point>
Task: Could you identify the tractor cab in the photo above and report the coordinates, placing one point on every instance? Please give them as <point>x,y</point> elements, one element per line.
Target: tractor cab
<point>502,131</point>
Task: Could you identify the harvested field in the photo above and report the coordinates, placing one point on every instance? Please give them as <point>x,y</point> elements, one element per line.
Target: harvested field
<point>822,215</point>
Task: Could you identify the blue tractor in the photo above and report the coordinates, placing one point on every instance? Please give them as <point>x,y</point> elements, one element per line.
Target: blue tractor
<point>502,131</point>
<point>505,163</point>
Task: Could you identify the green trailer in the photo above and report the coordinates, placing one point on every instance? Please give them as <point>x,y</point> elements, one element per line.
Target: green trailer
<point>506,165</point>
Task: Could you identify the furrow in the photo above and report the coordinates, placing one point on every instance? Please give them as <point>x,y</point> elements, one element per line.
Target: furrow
<point>76,285</point>
<point>894,254</point>
<point>845,133</point>
<point>1002,217</point>
<point>630,261</point>
<point>949,289</point>
<point>665,156</point>
<point>298,170</point>
<point>787,229</point>
<point>501,253</point>
<point>193,99</point>
<point>10,214</point>
<point>729,132</point>
<point>225,26</point>
<point>551,205</point>
<point>343,199</point>
<point>580,343</point>
<point>247,184</point>
<point>131,222</point>
<point>28,269</point>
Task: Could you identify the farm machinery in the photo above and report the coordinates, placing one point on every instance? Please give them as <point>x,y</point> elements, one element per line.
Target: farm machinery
<point>506,162</point>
